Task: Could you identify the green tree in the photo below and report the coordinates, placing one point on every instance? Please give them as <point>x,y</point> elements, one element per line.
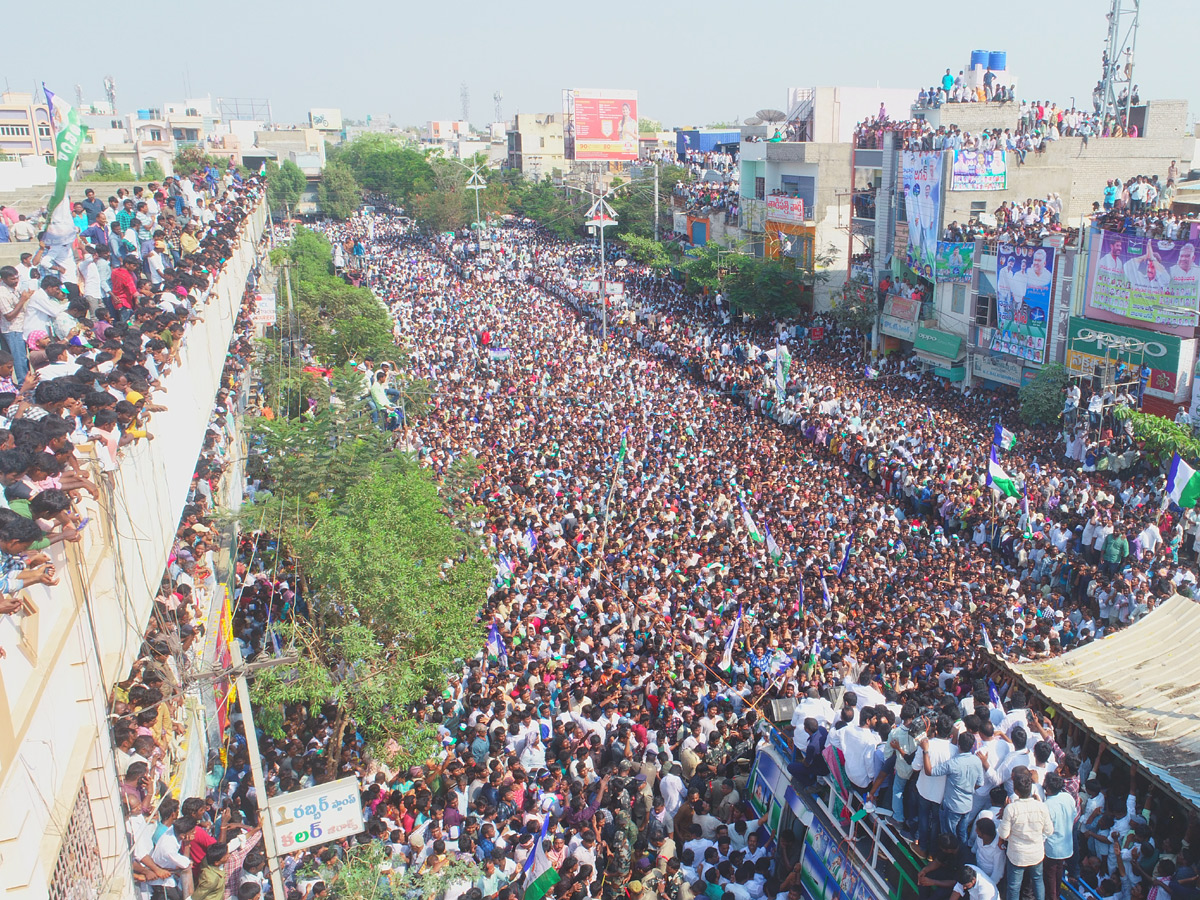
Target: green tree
<point>856,307</point>
<point>722,124</point>
<point>647,126</point>
<point>192,159</point>
<point>766,287</point>
<point>359,878</point>
<point>1042,399</point>
<point>107,170</point>
<point>152,171</point>
<point>285,185</point>
<point>646,251</point>
<point>558,211</point>
<point>338,191</point>
<point>706,268</point>
<point>1161,438</point>
<point>381,163</point>
<point>397,590</point>
<point>634,203</point>
<point>446,205</point>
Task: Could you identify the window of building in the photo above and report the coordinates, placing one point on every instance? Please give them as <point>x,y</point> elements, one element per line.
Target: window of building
<point>985,311</point>
<point>977,207</point>
<point>760,188</point>
<point>14,131</point>
<point>44,130</point>
<point>155,134</point>
<point>958,299</point>
<point>802,186</point>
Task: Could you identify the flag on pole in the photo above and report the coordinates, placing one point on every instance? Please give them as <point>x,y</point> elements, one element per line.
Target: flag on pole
<point>846,557</point>
<point>495,645</point>
<point>773,548</point>
<point>262,170</point>
<point>987,641</point>
<point>800,599</point>
<point>999,479</point>
<point>539,871</point>
<point>531,540</point>
<point>727,654</point>
<point>1025,503</point>
<point>504,571</point>
<point>755,534</point>
<point>68,137</point>
<point>1003,438</point>
<point>994,695</point>
<point>782,663</point>
<point>825,594</point>
<point>623,449</point>
<point>1183,483</point>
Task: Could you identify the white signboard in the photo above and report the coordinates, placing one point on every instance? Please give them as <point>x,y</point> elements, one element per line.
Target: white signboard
<point>264,310</point>
<point>612,288</point>
<point>317,815</point>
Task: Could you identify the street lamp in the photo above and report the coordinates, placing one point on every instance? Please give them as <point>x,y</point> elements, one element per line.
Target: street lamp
<point>474,183</point>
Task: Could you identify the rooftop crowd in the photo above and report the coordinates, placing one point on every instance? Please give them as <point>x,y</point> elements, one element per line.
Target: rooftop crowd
<point>643,619</point>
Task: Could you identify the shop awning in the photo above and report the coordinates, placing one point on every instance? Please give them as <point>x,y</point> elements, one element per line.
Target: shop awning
<point>1139,690</point>
<point>938,348</point>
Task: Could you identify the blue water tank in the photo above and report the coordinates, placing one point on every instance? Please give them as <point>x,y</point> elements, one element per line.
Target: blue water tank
<point>143,114</point>
<point>997,60</point>
<point>979,58</point>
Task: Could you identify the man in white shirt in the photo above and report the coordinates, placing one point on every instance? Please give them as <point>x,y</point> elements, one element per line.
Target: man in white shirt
<point>171,853</point>
<point>47,304</point>
<point>973,880</point>
<point>932,788</point>
<point>858,747</point>
<point>814,706</point>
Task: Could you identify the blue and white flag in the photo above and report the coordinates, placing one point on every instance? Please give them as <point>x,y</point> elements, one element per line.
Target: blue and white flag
<point>994,695</point>
<point>537,848</point>
<point>531,541</point>
<point>504,571</point>
<point>800,599</point>
<point>499,354</point>
<point>825,594</point>
<point>987,641</point>
<point>727,655</point>
<point>495,645</point>
<point>1003,438</point>
<point>846,557</point>
<point>869,373</point>
<point>782,663</point>
<point>773,548</point>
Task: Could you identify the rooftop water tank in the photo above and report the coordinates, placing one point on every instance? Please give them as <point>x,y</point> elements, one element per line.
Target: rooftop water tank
<point>998,60</point>
<point>979,58</point>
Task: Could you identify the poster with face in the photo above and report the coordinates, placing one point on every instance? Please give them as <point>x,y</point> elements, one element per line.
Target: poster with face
<point>1024,281</point>
<point>1145,280</point>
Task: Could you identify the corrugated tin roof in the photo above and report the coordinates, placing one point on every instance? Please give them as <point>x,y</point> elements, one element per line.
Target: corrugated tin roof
<point>1139,690</point>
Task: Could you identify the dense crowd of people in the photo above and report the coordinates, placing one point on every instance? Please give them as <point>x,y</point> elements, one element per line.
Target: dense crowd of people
<point>688,522</point>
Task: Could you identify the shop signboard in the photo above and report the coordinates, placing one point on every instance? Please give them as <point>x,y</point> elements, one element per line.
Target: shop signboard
<point>316,815</point>
<point>785,209</point>
<point>1091,343</point>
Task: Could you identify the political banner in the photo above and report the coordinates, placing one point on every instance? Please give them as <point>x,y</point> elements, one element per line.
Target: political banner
<point>1024,279</point>
<point>921,172</point>
<point>600,124</point>
<point>1146,280</point>
<point>954,261</point>
<point>979,170</point>
<point>785,209</point>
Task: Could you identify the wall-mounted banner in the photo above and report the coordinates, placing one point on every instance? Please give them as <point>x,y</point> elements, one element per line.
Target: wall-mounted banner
<point>1024,277</point>
<point>979,170</point>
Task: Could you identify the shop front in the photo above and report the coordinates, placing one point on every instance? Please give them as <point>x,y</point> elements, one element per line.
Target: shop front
<point>942,352</point>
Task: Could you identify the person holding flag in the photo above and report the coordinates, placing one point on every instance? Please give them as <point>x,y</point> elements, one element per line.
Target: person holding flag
<point>726,663</point>
<point>1003,438</point>
<point>999,480</point>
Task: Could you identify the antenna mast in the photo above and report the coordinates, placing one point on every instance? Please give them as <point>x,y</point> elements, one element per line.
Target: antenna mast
<point>1113,96</point>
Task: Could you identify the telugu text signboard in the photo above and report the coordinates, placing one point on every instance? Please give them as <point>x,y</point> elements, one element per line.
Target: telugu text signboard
<point>1024,278</point>
<point>979,170</point>
<point>600,124</point>
<point>317,815</point>
<point>785,209</point>
<point>1145,280</point>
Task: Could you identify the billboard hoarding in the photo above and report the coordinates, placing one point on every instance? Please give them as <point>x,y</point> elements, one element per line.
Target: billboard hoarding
<point>922,178</point>
<point>1144,280</point>
<point>979,170</point>
<point>1024,278</point>
<point>325,119</point>
<point>600,124</point>
<point>785,209</point>
<point>954,261</point>
<point>1092,343</point>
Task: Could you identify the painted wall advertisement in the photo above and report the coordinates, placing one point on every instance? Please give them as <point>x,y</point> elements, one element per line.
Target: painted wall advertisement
<point>954,261</point>
<point>1024,278</point>
<point>979,170</point>
<point>1144,280</point>
<point>1091,343</point>
<point>600,124</point>
<point>785,209</point>
<point>921,172</point>
<point>316,815</point>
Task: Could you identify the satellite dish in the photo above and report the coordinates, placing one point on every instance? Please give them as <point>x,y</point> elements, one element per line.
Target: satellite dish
<point>753,120</point>
<point>771,115</point>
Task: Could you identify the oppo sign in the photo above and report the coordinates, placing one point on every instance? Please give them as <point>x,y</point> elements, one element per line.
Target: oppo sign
<point>1105,341</point>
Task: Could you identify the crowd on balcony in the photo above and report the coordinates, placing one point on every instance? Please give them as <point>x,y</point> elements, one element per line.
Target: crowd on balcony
<point>94,325</point>
<point>1141,206</point>
<point>618,705</point>
<point>704,197</point>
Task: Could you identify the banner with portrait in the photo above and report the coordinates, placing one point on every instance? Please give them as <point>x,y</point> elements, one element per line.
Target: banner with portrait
<point>921,173</point>
<point>1146,280</point>
<point>1024,282</point>
<point>954,261</point>
<point>979,170</point>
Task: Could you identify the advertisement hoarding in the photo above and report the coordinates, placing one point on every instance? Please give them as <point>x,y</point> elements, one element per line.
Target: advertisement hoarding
<point>1145,281</point>
<point>921,172</point>
<point>325,119</point>
<point>1091,343</point>
<point>954,261</point>
<point>785,209</point>
<point>600,124</point>
<point>996,369</point>
<point>316,815</point>
<point>979,170</point>
<point>1024,278</point>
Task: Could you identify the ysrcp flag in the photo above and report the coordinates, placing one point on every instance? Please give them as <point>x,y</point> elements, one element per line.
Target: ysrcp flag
<point>1183,483</point>
<point>1003,438</point>
<point>68,136</point>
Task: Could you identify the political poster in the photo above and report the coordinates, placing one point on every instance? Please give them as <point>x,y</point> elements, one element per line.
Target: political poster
<point>1024,280</point>
<point>921,173</point>
<point>600,124</point>
<point>785,209</point>
<point>1146,280</point>
<point>979,170</point>
<point>954,261</point>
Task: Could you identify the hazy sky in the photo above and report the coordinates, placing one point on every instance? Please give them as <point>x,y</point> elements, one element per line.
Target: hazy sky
<point>692,63</point>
